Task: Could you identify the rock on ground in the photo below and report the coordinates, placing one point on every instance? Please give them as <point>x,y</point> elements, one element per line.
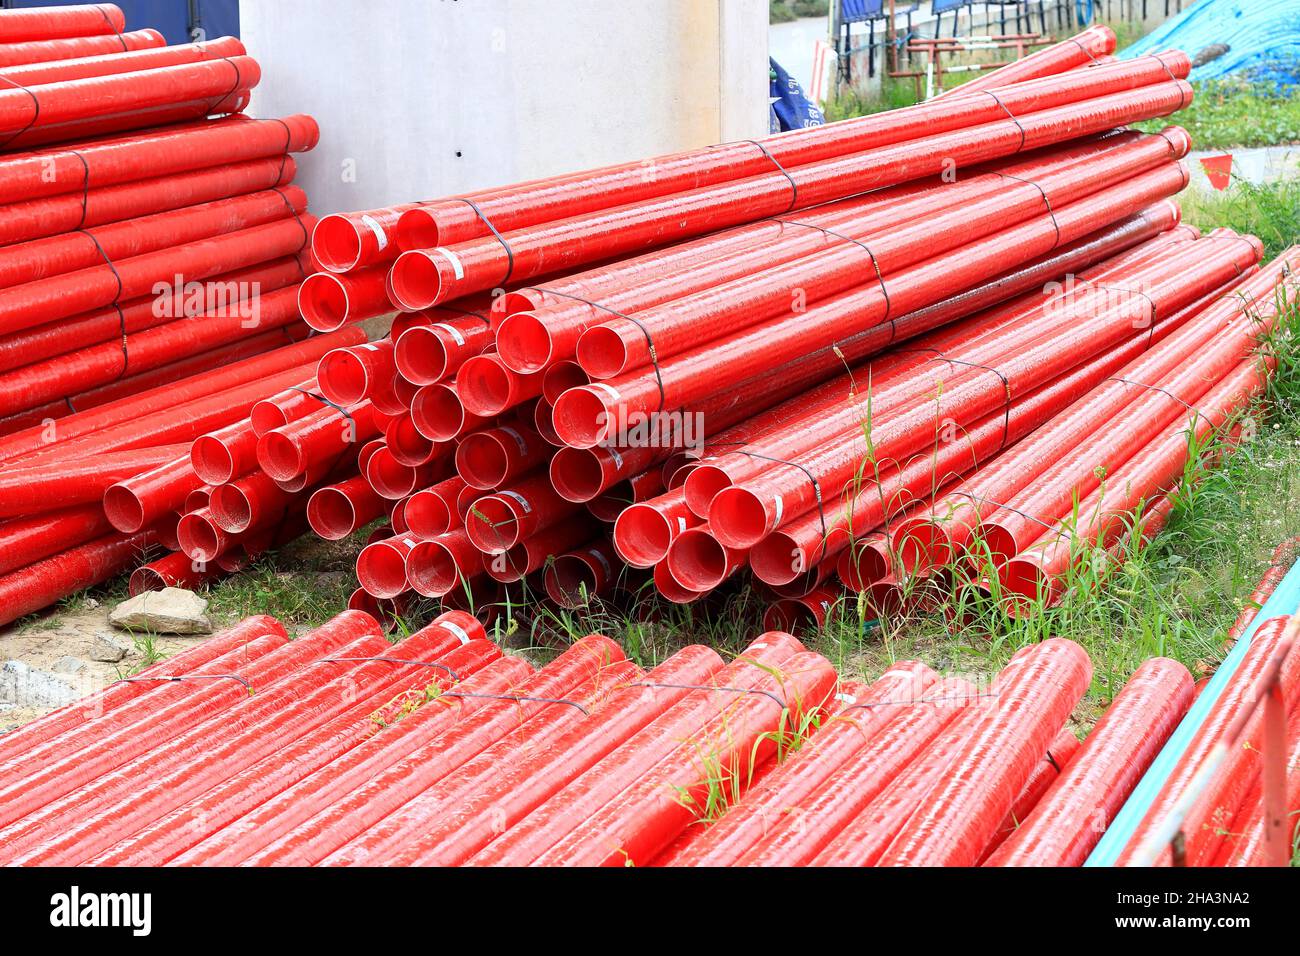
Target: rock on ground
<point>169,611</point>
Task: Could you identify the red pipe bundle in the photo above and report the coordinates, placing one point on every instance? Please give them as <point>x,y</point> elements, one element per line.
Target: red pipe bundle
<point>441,751</point>
<point>148,279</point>
<point>707,401</point>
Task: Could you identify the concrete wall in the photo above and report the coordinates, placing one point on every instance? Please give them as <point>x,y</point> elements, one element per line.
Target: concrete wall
<point>423,98</point>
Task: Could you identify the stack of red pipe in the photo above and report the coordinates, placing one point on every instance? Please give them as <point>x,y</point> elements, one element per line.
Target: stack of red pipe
<point>724,402</point>
<point>441,751</point>
<point>149,268</point>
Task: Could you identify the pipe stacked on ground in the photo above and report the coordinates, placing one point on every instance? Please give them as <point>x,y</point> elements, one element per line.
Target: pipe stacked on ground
<point>148,279</point>
<point>442,751</point>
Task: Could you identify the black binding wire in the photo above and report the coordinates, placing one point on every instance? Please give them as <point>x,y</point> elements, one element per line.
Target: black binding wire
<point>116,303</point>
<point>733,690</point>
<point>111,27</point>
<point>794,186</point>
<point>510,253</point>
<point>1010,115</point>
<point>984,500</point>
<point>323,400</point>
<point>812,480</point>
<point>889,307</point>
<point>1163,391</point>
<point>36,111</point>
<point>183,677</point>
<point>1006,385</point>
<point>1086,52</point>
<point>85,189</point>
<point>306,235</point>
<point>517,698</point>
<point>234,87</point>
<point>1155,314</point>
<point>943,698</point>
<point>1046,202</point>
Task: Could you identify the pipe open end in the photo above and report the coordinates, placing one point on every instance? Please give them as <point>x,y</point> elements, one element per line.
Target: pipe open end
<point>481,460</point>
<point>381,569</point>
<point>323,302</point>
<point>198,537</point>
<point>602,353</point>
<point>211,460</point>
<point>581,417</point>
<point>342,376</point>
<point>485,386</point>
<point>421,355</point>
<point>577,475</point>
<point>738,517</point>
<point>331,514</point>
<point>492,525</point>
<point>642,536</point>
<point>570,581</point>
<point>336,244</point>
<point>437,412</point>
<point>921,544</point>
<point>231,508</point>
<point>279,456</point>
<point>123,508</point>
<point>777,559</point>
<point>416,279</point>
<point>703,483</point>
<point>524,342</point>
<point>417,229</point>
<point>427,514</point>
<point>697,561</point>
<point>432,569</point>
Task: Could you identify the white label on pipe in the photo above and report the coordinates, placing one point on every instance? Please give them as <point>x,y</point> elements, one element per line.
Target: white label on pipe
<point>618,459</point>
<point>681,524</point>
<point>609,389</point>
<point>454,260</point>
<point>380,236</point>
<point>846,698</point>
<point>408,542</point>
<point>780,509</point>
<point>523,502</point>
<point>519,439</point>
<point>457,630</point>
<point>450,330</point>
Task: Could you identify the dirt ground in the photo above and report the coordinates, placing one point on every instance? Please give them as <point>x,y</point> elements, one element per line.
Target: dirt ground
<point>60,645</point>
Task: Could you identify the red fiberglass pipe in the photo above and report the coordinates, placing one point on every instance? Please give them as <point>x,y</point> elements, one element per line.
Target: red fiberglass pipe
<point>345,242</point>
<point>51,23</point>
<point>440,565</point>
<point>560,806</point>
<point>580,412</point>
<point>316,443</point>
<point>329,301</point>
<point>1069,819</point>
<point>55,255</point>
<point>573,579</point>
<point>225,454</point>
<point>349,375</point>
<point>46,300</point>
<point>615,346</point>
<point>25,491</point>
<point>141,500</point>
<point>1238,695</point>
<point>52,216</point>
<point>432,511</point>
<point>426,277</point>
<point>336,511</point>
<point>176,570</point>
<point>39,74</point>
<point>1079,50</point>
<point>497,522</point>
<point>40,584</point>
<point>70,48</point>
<point>152,154</point>
<point>29,539</point>
<point>454,221</point>
<point>488,459</point>
<point>958,818</point>
<point>742,515</point>
<point>801,777</point>
<point>69,101</point>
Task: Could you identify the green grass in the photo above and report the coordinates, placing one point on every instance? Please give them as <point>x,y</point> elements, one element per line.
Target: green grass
<point>1229,114</point>
<point>1270,211</point>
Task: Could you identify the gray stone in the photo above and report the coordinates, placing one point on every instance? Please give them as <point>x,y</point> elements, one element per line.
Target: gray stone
<point>169,611</point>
<point>69,665</point>
<point>108,648</point>
<point>24,686</point>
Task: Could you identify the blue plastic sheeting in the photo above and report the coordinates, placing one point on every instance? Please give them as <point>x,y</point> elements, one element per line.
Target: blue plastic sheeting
<point>860,11</point>
<point>1263,39</point>
<point>1284,601</point>
<point>171,18</point>
<point>789,108</point>
<point>943,6</point>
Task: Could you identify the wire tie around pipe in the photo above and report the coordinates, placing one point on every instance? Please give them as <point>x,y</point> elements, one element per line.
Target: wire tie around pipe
<point>510,253</point>
<point>1012,117</point>
<point>1052,760</point>
<point>306,236</point>
<point>112,28</point>
<point>649,341</point>
<point>812,480</point>
<point>115,304</point>
<point>889,307</point>
<point>36,112</point>
<point>463,313</point>
<point>1086,51</point>
<point>518,698</point>
<point>234,86</point>
<point>1155,313</point>
<point>1164,391</point>
<point>981,499</point>
<point>391,660</point>
<point>944,698</point>
<point>182,677</point>
<point>85,188</point>
<point>794,186</point>
<point>1006,385</point>
<point>284,152</point>
<point>1046,202</point>
<point>324,401</point>
<point>733,690</point>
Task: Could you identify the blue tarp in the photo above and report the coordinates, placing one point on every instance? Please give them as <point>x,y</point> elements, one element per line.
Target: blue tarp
<point>789,108</point>
<point>175,19</point>
<point>1263,39</point>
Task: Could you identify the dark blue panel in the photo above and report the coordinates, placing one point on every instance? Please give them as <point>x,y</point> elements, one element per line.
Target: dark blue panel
<point>943,6</point>
<point>171,18</point>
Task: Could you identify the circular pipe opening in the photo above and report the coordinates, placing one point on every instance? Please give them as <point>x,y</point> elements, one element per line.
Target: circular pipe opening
<point>124,509</point>
<point>738,517</point>
<point>485,386</point>
<point>642,535</point>
<point>381,569</point>
<point>415,280</point>
<point>231,508</point>
<point>421,355</point>
<point>577,475</point>
<point>211,460</point>
<point>342,377</point>
<point>279,456</point>
<point>523,341</point>
<point>601,352</point>
<point>323,302</point>
<point>331,514</point>
<point>335,243</point>
<point>492,525</point>
<point>697,561</point>
<point>581,418</point>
